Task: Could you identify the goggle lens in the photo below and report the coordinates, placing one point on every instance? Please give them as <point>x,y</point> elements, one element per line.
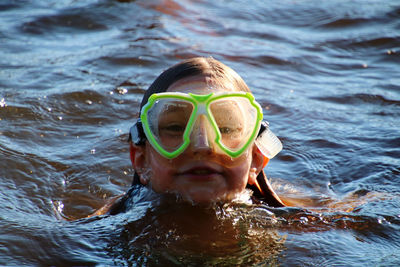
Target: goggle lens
<point>236,119</point>
<point>168,119</point>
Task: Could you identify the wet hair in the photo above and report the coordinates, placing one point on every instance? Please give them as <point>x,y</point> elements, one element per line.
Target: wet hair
<point>219,74</point>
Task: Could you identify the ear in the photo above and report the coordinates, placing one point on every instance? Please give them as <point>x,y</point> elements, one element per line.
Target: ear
<point>258,162</point>
<point>138,159</point>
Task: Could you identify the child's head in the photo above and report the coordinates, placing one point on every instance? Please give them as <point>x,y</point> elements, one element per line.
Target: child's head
<point>199,133</point>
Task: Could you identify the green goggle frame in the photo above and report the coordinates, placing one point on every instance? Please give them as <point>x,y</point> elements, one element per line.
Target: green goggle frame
<point>197,101</point>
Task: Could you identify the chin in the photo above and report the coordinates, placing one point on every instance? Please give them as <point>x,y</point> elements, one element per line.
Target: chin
<point>204,197</point>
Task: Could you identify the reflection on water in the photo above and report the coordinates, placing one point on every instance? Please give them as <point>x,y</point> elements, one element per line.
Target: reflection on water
<point>179,233</point>
<point>72,75</point>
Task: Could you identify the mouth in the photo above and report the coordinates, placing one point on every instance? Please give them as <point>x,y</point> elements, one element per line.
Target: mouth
<point>201,171</point>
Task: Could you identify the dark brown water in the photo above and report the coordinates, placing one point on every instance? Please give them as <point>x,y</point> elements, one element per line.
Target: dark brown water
<point>327,73</point>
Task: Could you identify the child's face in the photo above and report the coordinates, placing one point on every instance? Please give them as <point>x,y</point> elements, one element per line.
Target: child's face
<point>200,174</point>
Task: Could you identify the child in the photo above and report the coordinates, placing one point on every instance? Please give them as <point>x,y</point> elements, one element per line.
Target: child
<point>200,136</point>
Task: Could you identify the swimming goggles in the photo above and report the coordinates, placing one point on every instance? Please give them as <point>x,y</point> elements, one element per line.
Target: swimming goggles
<point>228,122</point>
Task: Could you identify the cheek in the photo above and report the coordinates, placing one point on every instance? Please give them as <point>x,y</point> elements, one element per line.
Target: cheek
<point>162,170</point>
<point>238,175</point>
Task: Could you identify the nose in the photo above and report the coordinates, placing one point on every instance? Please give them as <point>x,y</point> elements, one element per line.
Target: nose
<point>201,136</point>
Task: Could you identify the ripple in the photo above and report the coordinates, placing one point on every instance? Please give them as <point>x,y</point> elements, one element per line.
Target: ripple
<point>344,22</point>
<point>67,21</point>
<point>73,74</point>
<point>360,99</point>
<point>131,61</point>
<point>8,6</point>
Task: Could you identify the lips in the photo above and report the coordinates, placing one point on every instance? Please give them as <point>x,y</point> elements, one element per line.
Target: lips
<point>200,171</point>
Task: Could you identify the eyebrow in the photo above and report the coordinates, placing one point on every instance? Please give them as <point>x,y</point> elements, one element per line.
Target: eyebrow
<point>176,107</point>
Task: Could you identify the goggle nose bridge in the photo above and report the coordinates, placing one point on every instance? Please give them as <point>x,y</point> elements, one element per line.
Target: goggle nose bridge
<point>202,134</point>
<point>201,109</point>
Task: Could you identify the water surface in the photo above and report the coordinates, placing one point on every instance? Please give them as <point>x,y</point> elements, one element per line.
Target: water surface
<point>72,74</point>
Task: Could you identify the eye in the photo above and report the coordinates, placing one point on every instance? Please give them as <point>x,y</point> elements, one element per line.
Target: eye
<point>225,130</point>
<point>174,128</point>
<point>231,132</point>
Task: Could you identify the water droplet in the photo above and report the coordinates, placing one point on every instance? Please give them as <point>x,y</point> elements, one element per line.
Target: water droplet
<point>3,103</point>
<point>89,102</point>
<point>382,220</point>
<point>122,90</point>
<point>303,220</point>
<point>60,118</point>
<point>59,206</point>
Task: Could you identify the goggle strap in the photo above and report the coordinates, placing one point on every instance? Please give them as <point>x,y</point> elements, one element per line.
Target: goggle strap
<point>136,133</point>
<point>265,161</point>
<point>268,143</point>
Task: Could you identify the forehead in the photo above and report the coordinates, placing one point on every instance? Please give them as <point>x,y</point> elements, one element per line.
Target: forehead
<point>198,85</point>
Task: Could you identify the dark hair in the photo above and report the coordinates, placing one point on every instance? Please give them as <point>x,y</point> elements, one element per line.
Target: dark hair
<point>219,73</point>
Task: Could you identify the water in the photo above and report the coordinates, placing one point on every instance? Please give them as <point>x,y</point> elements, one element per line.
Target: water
<point>72,74</point>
